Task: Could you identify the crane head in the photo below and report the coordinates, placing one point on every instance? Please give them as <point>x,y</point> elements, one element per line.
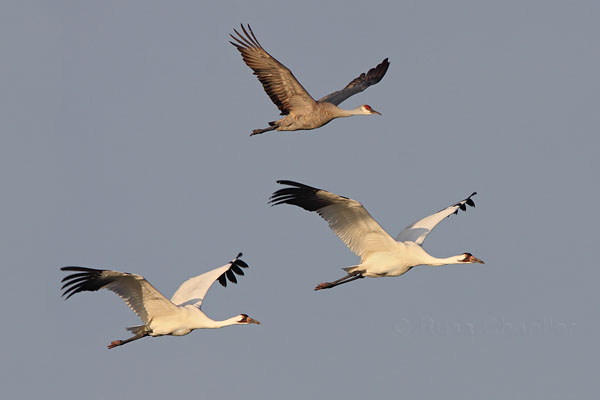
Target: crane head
<point>245,320</point>
<point>366,109</point>
<point>470,258</point>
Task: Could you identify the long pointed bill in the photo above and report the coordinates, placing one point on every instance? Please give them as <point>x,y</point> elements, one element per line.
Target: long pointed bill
<point>375,112</point>
<point>252,321</point>
<point>477,260</point>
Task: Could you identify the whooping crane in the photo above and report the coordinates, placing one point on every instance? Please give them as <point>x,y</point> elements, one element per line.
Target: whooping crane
<point>380,254</point>
<point>177,317</point>
<point>300,109</point>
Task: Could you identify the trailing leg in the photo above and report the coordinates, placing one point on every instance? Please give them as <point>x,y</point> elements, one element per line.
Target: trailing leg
<point>273,125</point>
<point>117,342</point>
<point>352,276</point>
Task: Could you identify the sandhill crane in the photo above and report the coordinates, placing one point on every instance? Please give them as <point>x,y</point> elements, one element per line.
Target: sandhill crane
<point>177,317</point>
<point>300,109</point>
<point>380,254</point>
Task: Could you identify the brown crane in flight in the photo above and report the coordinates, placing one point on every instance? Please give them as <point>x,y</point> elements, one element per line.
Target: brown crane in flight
<point>300,110</point>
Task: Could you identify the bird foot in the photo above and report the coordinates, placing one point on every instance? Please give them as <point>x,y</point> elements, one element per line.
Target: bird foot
<point>114,343</point>
<point>324,285</point>
<point>256,132</point>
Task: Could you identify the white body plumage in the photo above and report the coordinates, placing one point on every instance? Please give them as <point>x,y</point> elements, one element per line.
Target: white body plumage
<point>381,255</point>
<point>161,316</point>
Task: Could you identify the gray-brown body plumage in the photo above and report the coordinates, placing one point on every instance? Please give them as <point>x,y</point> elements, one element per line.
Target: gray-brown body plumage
<point>300,110</point>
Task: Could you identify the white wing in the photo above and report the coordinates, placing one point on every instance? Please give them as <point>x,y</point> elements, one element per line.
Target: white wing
<point>194,289</point>
<point>359,84</point>
<point>418,231</point>
<point>348,219</point>
<point>143,298</point>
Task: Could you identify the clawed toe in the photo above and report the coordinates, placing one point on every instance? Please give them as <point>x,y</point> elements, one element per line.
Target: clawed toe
<point>114,343</point>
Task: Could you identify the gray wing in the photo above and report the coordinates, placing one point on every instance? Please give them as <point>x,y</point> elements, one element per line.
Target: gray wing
<point>347,218</point>
<point>278,81</point>
<point>143,298</point>
<point>359,84</point>
<point>418,231</point>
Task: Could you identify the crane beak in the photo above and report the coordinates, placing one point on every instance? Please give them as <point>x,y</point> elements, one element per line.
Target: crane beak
<point>247,320</point>
<point>375,112</point>
<point>477,260</point>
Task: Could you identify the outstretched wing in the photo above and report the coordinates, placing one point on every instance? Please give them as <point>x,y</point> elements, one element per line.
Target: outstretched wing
<point>194,289</point>
<point>143,298</point>
<point>278,81</point>
<point>348,219</point>
<point>418,231</point>
<point>359,84</point>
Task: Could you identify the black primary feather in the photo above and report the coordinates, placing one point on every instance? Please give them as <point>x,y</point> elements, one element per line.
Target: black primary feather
<point>87,279</point>
<point>237,269</point>
<point>231,276</point>
<point>300,195</point>
<point>240,263</point>
<point>468,201</point>
<point>234,269</point>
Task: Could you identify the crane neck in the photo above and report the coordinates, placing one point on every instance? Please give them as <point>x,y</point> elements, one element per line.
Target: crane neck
<point>198,320</point>
<point>220,324</point>
<point>436,262</point>
<point>341,113</point>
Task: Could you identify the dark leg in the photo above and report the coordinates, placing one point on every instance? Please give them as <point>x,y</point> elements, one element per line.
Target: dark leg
<point>116,343</point>
<point>348,278</point>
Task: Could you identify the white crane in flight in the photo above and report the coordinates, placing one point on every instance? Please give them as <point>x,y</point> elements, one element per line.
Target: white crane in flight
<point>300,110</point>
<point>380,254</point>
<point>177,317</point>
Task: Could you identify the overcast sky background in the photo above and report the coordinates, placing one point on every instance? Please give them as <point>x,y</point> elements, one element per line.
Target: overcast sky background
<point>125,145</point>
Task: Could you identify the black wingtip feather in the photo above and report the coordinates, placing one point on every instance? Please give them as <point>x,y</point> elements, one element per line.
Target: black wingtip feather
<point>234,268</point>
<point>469,201</point>
<point>231,276</point>
<point>72,276</point>
<point>240,263</point>
<point>237,270</point>
<point>86,279</point>
<point>462,205</point>
<point>300,195</point>
<point>296,184</point>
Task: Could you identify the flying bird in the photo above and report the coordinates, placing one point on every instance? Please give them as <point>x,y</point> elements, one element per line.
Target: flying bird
<point>380,255</point>
<point>178,316</point>
<point>300,110</point>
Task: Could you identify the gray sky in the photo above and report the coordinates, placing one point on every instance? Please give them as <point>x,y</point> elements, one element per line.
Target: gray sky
<point>125,145</point>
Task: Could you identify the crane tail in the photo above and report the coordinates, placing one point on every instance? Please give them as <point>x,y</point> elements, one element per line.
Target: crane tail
<point>138,329</point>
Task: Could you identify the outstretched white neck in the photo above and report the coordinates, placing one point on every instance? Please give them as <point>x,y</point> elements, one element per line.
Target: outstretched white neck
<point>436,262</point>
<point>219,324</point>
